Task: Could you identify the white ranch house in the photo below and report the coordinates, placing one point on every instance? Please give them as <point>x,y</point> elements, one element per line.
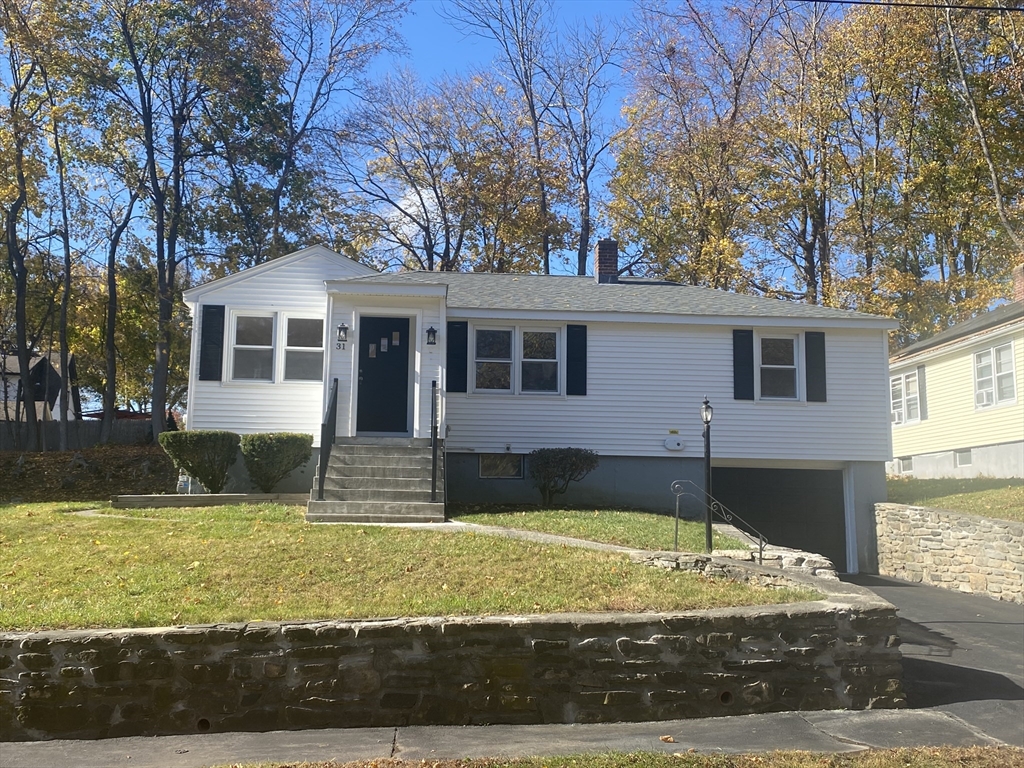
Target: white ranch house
<point>800,434</point>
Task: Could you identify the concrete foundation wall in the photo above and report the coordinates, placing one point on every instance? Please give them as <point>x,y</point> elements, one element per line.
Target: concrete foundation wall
<point>619,481</point>
<point>841,652</point>
<point>966,553</point>
<point>1003,460</point>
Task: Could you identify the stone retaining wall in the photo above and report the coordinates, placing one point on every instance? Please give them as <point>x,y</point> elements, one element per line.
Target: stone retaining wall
<point>841,652</point>
<point>955,551</point>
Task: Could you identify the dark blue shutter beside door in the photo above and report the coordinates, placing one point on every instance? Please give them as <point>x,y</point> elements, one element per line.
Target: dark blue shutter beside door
<point>211,342</point>
<point>458,356</point>
<point>814,357</point>
<point>742,364</point>
<point>575,359</point>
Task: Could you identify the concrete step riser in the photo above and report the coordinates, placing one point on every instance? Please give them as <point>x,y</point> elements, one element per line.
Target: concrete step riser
<point>374,508</point>
<point>380,450</point>
<point>419,462</point>
<point>384,473</point>
<point>373,494</point>
<point>329,518</point>
<point>380,483</point>
<point>395,442</point>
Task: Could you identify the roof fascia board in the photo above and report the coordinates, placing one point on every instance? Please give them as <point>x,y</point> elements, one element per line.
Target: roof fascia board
<point>193,294</point>
<point>858,321</point>
<point>956,345</point>
<point>368,288</point>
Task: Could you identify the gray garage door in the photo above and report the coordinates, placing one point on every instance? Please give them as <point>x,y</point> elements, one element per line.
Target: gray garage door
<point>799,508</point>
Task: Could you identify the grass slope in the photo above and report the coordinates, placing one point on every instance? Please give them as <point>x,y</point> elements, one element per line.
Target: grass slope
<point>640,530</point>
<point>246,562</point>
<point>986,496</point>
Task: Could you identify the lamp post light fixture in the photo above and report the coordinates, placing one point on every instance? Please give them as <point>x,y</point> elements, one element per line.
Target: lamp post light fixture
<point>706,412</point>
<point>431,336</point>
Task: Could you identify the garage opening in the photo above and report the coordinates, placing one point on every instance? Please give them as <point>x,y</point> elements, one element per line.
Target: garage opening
<point>798,508</point>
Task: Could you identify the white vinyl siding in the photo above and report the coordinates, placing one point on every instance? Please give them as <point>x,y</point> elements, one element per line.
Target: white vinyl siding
<point>294,290</point>
<point>904,398</point>
<point>993,377</point>
<point>644,380</point>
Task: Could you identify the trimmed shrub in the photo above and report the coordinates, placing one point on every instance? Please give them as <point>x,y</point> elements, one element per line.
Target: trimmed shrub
<point>552,469</point>
<point>270,456</point>
<point>205,454</point>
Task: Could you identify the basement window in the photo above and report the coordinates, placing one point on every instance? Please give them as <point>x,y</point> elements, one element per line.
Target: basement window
<point>506,466</point>
<point>963,458</point>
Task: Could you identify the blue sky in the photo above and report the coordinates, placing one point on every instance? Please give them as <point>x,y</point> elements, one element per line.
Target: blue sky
<point>436,48</point>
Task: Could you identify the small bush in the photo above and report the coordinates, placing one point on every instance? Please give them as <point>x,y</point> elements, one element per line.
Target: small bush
<point>205,454</point>
<point>270,456</point>
<point>552,469</point>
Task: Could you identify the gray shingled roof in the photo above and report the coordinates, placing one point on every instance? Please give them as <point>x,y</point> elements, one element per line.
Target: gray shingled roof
<point>1004,313</point>
<point>480,290</point>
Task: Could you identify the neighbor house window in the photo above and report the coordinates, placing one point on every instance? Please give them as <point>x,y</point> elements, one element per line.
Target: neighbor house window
<point>963,458</point>
<point>993,377</point>
<point>253,349</point>
<point>906,464</point>
<point>905,402</point>
<point>501,465</point>
<point>778,368</point>
<point>517,360</point>
<point>304,349</point>
<point>494,359</point>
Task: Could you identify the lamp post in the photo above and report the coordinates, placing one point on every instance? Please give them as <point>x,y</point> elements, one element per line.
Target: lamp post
<point>706,412</point>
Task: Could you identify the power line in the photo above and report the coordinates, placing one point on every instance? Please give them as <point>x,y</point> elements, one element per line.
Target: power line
<point>940,6</point>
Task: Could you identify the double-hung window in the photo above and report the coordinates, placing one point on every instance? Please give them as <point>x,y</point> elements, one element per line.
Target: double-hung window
<point>905,401</point>
<point>304,349</point>
<point>517,360</point>
<point>778,368</point>
<point>253,348</point>
<point>276,347</point>
<point>993,377</point>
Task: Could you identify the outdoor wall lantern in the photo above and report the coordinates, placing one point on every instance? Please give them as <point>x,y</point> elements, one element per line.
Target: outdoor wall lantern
<point>431,336</point>
<point>706,412</point>
<point>342,333</point>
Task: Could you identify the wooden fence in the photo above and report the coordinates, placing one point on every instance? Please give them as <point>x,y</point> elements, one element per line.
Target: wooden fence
<point>81,434</point>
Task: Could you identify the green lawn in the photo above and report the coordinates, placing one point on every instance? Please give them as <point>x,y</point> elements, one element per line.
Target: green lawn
<point>987,496</point>
<point>247,562</point>
<point>639,530</point>
<point>945,757</point>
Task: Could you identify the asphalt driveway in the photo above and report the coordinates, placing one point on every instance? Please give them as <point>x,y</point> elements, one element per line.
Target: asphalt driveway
<point>962,654</point>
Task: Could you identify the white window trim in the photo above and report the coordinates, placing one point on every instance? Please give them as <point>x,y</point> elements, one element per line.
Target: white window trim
<point>958,462</point>
<point>279,339</point>
<point>903,401</point>
<point>234,315</point>
<point>517,359</point>
<point>798,366</point>
<point>996,402</point>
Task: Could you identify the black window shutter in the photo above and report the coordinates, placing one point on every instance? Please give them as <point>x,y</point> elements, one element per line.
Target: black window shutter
<point>575,359</point>
<point>922,393</point>
<point>742,364</point>
<point>458,351</point>
<point>211,342</point>
<point>814,356</point>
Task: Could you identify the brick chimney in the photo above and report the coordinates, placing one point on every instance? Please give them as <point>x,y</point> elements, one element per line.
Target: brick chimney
<point>606,261</point>
<point>1018,283</point>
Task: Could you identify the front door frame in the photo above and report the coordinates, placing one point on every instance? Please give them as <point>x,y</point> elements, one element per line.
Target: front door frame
<point>412,391</point>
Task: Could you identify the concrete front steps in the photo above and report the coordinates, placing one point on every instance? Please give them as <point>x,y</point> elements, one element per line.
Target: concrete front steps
<point>379,480</point>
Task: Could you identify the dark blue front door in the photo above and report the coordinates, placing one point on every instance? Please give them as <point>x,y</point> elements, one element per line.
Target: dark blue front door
<point>383,394</point>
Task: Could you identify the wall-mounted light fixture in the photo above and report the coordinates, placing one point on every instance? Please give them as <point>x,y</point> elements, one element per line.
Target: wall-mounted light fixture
<point>431,336</point>
<point>342,333</point>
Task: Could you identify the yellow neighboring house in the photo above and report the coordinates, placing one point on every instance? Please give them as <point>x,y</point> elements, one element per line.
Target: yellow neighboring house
<point>957,399</point>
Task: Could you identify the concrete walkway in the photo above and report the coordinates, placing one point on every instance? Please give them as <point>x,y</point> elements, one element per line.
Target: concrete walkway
<point>809,731</point>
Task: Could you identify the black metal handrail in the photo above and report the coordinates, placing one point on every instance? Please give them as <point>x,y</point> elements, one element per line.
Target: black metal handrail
<point>433,440</point>
<point>327,430</point>
<point>717,508</point>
